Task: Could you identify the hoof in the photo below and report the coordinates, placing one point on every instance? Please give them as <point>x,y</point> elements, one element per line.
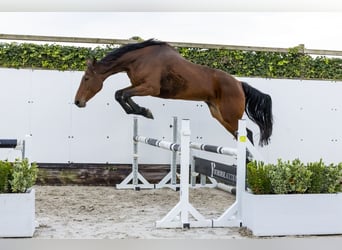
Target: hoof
<point>145,112</point>
<point>148,114</point>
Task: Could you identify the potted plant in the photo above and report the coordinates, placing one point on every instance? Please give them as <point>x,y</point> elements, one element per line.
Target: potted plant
<point>17,198</point>
<point>292,198</point>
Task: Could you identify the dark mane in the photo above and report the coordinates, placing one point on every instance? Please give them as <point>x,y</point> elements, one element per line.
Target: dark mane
<point>117,53</point>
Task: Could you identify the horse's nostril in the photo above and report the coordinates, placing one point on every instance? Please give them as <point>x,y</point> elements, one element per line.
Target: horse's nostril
<point>77,103</point>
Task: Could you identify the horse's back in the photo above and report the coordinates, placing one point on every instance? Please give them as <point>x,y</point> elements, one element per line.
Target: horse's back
<point>163,67</point>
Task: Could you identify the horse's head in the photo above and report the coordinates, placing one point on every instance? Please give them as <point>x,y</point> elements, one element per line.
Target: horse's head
<point>91,83</point>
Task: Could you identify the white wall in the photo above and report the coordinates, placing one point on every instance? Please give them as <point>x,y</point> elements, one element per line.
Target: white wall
<point>37,105</point>
<point>308,119</point>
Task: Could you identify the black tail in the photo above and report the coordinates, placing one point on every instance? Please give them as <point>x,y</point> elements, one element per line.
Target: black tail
<point>259,110</point>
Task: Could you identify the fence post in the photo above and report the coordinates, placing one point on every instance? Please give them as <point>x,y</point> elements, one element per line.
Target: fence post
<point>174,153</point>
<point>241,166</point>
<point>184,179</point>
<point>232,216</point>
<point>135,152</point>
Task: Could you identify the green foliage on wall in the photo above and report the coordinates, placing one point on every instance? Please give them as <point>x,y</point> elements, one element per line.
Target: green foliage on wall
<point>55,57</point>
<point>239,63</point>
<point>267,64</point>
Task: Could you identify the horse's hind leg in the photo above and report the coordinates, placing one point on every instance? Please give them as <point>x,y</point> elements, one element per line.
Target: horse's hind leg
<point>123,96</point>
<point>231,126</point>
<point>216,113</point>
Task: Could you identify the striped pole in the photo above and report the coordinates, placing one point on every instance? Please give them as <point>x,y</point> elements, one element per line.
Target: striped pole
<point>176,147</point>
<point>14,144</point>
<point>158,143</point>
<point>8,143</point>
<point>214,149</point>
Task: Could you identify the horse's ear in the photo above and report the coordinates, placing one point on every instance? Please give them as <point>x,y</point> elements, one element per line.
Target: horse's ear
<point>91,63</point>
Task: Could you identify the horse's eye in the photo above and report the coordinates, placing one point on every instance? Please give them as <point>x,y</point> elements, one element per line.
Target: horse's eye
<point>86,78</point>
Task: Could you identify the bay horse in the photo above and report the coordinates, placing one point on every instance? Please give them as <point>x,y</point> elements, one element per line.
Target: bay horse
<point>157,69</point>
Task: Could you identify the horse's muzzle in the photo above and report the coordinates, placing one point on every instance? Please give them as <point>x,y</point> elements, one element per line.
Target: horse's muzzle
<point>80,104</point>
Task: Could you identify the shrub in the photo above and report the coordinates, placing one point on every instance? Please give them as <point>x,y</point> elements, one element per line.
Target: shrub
<point>318,180</point>
<point>333,183</point>
<point>17,176</point>
<point>258,179</point>
<point>294,177</point>
<point>5,176</point>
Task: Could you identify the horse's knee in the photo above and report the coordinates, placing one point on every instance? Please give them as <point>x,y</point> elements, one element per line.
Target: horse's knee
<point>118,95</point>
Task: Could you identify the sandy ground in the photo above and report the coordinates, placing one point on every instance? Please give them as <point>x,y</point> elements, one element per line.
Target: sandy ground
<point>81,212</point>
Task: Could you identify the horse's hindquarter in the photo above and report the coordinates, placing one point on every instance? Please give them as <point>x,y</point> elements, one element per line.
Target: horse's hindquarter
<point>232,97</point>
<point>209,85</point>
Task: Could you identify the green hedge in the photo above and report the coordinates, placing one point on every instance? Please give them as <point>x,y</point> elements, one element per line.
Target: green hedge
<point>55,57</point>
<point>240,63</point>
<point>294,177</point>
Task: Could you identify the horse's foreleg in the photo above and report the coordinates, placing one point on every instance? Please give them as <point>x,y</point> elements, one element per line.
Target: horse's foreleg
<point>124,97</point>
<point>139,110</point>
<point>119,98</point>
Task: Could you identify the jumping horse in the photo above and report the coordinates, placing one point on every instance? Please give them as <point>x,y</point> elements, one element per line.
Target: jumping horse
<point>157,69</point>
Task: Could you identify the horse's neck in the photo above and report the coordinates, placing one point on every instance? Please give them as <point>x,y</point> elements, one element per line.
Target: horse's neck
<point>122,64</point>
<point>106,70</point>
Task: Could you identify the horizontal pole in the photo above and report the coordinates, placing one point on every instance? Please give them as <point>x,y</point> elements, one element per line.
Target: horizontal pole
<point>158,143</point>
<point>213,149</point>
<point>193,145</point>
<point>65,39</point>
<point>8,143</point>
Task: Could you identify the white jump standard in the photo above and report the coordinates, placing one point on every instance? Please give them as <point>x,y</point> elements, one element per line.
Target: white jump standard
<point>232,217</point>
<point>135,176</point>
<point>178,217</point>
<point>170,180</point>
